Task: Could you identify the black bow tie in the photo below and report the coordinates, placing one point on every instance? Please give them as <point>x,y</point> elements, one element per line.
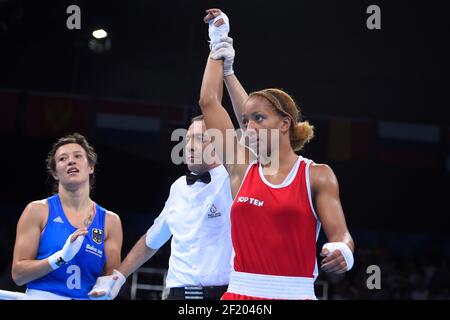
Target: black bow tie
<point>191,178</point>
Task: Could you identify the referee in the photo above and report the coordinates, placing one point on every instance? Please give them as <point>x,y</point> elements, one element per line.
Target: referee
<point>197,216</point>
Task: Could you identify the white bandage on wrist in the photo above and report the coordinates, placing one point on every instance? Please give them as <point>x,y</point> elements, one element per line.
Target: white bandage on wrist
<point>344,249</point>
<point>224,41</point>
<point>216,32</point>
<point>118,284</point>
<point>108,286</point>
<point>103,284</point>
<point>55,260</point>
<point>67,253</point>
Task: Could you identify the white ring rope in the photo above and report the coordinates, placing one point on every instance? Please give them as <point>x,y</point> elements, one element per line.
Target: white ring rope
<point>11,295</point>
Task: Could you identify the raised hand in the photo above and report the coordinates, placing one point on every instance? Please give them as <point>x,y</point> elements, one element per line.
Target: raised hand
<point>69,250</point>
<point>219,25</point>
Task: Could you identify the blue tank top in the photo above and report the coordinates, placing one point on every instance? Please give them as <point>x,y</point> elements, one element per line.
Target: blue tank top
<point>76,278</point>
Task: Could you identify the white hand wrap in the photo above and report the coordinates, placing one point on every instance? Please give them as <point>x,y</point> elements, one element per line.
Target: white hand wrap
<point>344,249</point>
<point>108,285</point>
<point>215,33</point>
<point>224,50</point>
<point>103,284</point>
<point>67,253</point>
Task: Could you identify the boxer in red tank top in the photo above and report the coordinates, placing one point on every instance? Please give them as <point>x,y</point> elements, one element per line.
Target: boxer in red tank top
<point>286,230</point>
<point>277,214</point>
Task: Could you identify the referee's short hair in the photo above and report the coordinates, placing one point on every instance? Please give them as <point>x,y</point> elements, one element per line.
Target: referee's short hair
<point>197,118</point>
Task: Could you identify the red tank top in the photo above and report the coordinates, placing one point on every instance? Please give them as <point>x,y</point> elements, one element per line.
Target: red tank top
<point>274,227</point>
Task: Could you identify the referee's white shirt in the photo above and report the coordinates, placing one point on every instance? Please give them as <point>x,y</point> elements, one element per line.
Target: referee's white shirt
<point>198,217</point>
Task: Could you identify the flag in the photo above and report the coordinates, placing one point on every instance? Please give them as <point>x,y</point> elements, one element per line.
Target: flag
<point>135,127</point>
<point>51,115</point>
<point>448,150</point>
<point>349,139</point>
<point>127,122</point>
<point>9,108</point>
<point>408,144</point>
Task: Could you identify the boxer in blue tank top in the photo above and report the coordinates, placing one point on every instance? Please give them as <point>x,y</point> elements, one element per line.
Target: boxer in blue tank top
<point>65,242</point>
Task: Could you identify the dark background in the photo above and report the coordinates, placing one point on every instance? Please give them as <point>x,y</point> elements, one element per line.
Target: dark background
<point>319,51</point>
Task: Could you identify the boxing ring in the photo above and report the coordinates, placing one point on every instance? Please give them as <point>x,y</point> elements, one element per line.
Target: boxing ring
<point>11,295</point>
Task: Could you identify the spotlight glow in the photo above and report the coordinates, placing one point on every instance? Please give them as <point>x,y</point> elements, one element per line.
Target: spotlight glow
<point>99,34</point>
